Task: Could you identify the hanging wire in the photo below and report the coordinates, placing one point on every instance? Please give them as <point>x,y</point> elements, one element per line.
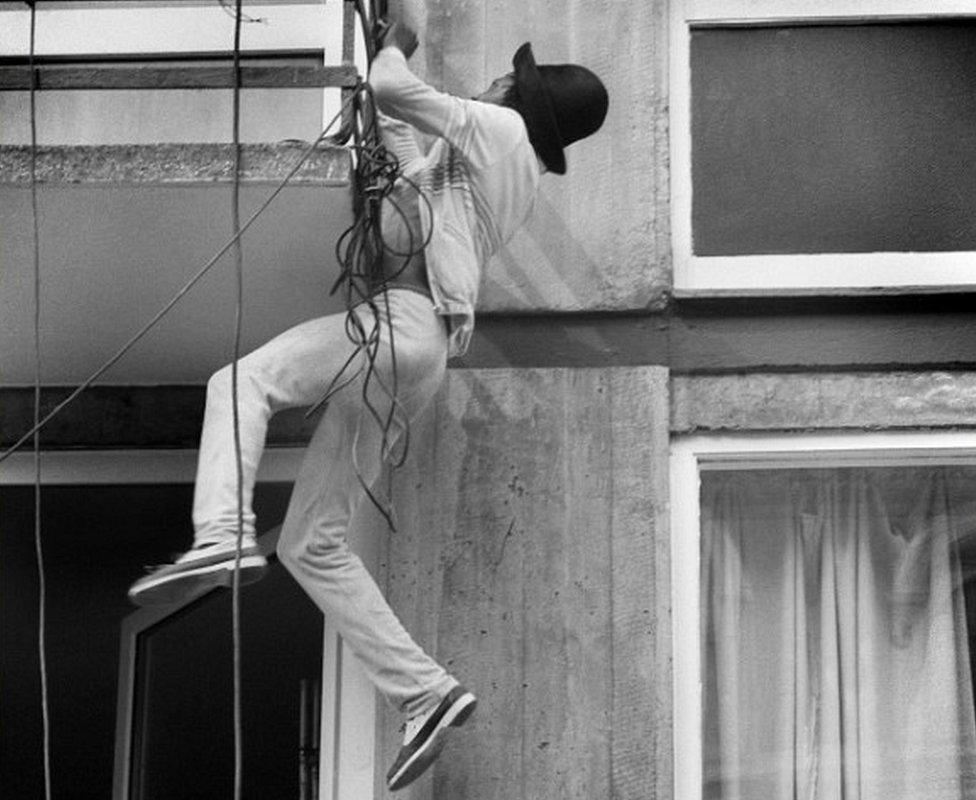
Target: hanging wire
<point>365,275</point>
<point>238,14</point>
<point>235,399</point>
<point>38,545</point>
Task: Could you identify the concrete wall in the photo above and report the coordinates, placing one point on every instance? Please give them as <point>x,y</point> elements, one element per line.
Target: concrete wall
<point>823,401</point>
<point>531,558</point>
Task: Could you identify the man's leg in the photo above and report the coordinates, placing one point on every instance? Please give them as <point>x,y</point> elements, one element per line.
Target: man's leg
<point>313,543</point>
<point>293,369</point>
<point>314,547</point>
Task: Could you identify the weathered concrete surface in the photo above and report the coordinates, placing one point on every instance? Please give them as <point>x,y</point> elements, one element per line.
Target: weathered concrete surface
<point>600,235</point>
<point>768,402</point>
<point>532,558</point>
<point>122,229</point>
<point>173,163</point>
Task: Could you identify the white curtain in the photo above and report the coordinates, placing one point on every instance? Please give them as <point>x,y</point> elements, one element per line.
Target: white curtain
<point>835,649</point>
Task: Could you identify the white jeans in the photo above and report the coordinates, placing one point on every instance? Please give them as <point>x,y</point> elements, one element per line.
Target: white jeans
<point>295,369</point>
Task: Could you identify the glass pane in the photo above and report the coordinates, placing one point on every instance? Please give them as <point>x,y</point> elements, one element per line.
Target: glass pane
<point>183,738</point>
<point>837,606</point>
<point>834,138</point>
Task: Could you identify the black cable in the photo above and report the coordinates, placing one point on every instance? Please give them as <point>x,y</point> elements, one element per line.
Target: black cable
<point>38,546</point>
<point>364,257</point>
<point>235,400</point>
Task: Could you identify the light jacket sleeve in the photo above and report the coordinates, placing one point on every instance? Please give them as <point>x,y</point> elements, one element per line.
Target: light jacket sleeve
<point>401,94</point>
<point>400,140</point>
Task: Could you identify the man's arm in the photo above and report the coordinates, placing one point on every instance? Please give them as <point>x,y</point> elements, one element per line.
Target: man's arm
<point>399,139</point>
<point>401,94</point>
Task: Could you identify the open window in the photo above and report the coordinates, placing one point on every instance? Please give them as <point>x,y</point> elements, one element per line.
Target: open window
<point>823,147</point>
<point>824,612</point>
<point>154,685</point>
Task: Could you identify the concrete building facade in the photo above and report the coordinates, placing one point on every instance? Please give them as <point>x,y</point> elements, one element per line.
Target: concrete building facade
<point>637,335</point>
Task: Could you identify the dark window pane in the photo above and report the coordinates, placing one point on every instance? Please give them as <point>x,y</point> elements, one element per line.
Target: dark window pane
<point>834,138</point>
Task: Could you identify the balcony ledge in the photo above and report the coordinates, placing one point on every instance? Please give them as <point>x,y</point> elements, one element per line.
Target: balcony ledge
<point>328,165</point>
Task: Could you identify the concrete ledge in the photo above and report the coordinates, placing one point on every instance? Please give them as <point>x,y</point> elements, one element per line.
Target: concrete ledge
<point>174,163</point>
<point>804,401</point>
<point>61,77</point>
<point>120,417</point>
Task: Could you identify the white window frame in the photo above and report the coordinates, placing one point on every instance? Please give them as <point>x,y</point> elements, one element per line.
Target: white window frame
<point>791,274</point>
<point>692,455</point>
<point>348,715</point>
<point>170,26</point>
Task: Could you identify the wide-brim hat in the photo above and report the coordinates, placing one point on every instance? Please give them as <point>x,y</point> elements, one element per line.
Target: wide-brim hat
<point>560,103</point>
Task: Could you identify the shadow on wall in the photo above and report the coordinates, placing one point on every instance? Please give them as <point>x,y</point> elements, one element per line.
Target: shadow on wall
<point>506,528</point>
<point>545,266</point>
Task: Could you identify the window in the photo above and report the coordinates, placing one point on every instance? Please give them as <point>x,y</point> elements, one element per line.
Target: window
<point>823,147</point>
<point>289,33</point>
<point>104,515</point>
<point>824,612</point>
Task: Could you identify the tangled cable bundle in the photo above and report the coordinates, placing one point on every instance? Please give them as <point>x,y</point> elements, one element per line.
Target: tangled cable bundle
<point>365,259</point>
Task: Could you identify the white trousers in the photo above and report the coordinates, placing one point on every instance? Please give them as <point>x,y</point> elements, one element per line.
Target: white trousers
<point>295,369</point>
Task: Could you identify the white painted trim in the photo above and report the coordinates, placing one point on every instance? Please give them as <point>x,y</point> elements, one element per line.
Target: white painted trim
<point>690,456</point>
<point>775,11</point>
<point>789,272</point>
<point>827,271</point>
<point>679,71</point>
<point>357,740</point>
<point>685,616</point>
<point>347,760</point>
<point>133,466</point>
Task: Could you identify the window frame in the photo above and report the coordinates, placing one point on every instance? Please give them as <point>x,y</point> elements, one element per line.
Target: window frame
<point>348,714</point>
<point>135,27</point>
<point>146,28</point>
<point>693,454</point>
<point>799,274</point>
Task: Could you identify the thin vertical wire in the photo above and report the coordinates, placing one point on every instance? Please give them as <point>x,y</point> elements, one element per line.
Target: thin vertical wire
<point>238,316</point>
<point>38,548</point>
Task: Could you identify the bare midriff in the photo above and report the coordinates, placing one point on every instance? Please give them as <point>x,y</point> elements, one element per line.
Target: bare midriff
<point>400,272</point>
<point>403,262</point>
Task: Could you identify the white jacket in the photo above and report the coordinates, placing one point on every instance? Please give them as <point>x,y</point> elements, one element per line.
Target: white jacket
<point>480,177</point>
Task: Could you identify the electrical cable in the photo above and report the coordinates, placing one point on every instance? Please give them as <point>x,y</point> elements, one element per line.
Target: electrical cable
<point>38,545</point>
<point>235,400</point>
<point>364,259</point>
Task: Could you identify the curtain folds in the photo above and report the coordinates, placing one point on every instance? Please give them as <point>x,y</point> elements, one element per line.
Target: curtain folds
<point>835,650</point>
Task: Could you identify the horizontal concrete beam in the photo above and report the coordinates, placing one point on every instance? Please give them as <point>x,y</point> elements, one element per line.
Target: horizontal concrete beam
<point>62,78</point>
<point>795,402</point>
<point>118,417</point>
<point>113,417</point>
<point>173,163</point>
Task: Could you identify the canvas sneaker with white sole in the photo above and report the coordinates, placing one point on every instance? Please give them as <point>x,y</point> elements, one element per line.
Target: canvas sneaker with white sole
<point>424,737</point>
<point>199,569</point>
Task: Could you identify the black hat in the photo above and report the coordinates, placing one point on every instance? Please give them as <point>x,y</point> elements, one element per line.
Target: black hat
<point>560,103</point>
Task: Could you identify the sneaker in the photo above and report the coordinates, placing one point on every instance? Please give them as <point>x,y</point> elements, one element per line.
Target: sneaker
<point>197,570</point>
<point>425,735</point>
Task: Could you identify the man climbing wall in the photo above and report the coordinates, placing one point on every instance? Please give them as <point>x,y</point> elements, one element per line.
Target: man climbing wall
<point>446,213</point>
